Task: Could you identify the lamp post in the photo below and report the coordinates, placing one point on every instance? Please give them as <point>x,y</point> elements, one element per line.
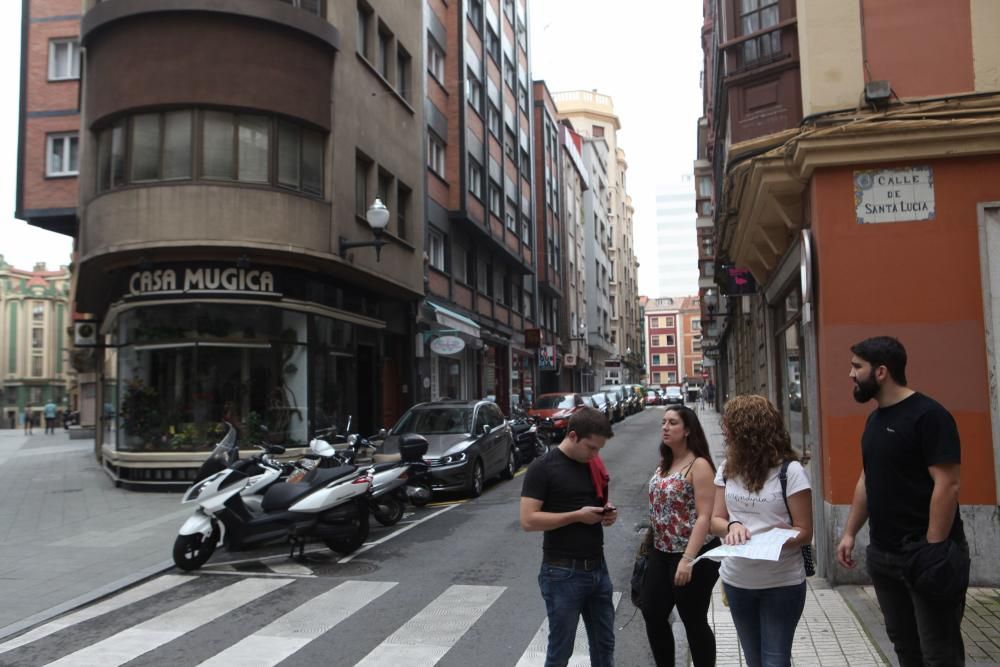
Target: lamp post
<point>377,216</point>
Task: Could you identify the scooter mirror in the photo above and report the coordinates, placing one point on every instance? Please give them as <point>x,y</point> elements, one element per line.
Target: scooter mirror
<point>382,433</point>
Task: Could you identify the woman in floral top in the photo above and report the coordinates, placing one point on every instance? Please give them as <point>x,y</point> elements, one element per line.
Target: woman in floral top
<point>681,492</point>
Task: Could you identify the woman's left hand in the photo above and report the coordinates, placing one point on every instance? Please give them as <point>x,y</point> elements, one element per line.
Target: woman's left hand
<point>683,574</point>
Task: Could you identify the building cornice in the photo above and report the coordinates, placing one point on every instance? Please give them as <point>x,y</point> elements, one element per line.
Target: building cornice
<point>763,193</point>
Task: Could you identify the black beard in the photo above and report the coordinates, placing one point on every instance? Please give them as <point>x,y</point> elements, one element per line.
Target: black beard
<point>866,390</point>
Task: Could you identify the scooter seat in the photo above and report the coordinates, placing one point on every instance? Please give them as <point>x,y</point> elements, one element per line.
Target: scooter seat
<point>282,496</point>
<point>380,467</point>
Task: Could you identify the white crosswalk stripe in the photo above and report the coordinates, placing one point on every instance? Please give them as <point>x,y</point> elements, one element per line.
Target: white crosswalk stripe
<point>535,654</point>
<point>426,637</point>
<point>143,638</point>
<point>275,642</point>
<point>146,590</point>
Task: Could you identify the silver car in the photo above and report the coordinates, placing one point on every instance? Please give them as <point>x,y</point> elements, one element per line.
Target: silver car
<point>468,442</point>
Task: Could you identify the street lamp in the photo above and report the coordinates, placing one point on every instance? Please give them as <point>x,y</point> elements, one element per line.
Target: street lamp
<point>583,332</point>
<point>377,216</point>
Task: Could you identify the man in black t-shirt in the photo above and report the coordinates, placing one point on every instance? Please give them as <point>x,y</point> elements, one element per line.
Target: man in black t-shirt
<point>908,492</point>
<point>559,496</point>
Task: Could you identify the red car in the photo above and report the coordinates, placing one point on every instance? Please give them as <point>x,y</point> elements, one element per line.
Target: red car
<point>552,413</point>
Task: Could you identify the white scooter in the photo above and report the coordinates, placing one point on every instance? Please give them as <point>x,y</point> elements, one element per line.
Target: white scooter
<point>394,482</point>
<point>329,504</point>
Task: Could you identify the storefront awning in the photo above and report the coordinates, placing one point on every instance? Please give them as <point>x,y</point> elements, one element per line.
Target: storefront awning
<point>453,320</point>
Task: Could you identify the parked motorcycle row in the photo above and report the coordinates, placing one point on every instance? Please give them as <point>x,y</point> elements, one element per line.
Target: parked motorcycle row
<point>245,503</point>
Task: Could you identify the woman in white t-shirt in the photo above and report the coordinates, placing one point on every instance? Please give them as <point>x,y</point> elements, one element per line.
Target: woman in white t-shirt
<point>766,598</point>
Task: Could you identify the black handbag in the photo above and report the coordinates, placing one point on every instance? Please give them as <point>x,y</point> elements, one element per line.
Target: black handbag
<point>807,550</point>
<point>639,567</point>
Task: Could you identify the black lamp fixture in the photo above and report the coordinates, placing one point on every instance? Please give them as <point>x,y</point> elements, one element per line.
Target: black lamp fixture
<point>377,216</point>
<point>583,332</point>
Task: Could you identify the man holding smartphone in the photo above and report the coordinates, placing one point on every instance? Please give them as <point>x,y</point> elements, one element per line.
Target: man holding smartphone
<point>560,498</point>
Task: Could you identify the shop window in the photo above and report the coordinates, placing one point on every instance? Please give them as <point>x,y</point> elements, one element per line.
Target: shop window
<point>789,369</point>
<point>183,370</point>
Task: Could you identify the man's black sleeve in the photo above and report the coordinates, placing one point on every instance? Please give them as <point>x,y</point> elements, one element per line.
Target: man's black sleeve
<point>536,481</point>
<point>938,434</point>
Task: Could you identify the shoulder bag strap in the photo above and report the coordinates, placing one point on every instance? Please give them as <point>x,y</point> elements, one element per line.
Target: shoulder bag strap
<point>783,476</point>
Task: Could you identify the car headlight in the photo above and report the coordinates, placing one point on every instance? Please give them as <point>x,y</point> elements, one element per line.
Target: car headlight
<point>453,458</point>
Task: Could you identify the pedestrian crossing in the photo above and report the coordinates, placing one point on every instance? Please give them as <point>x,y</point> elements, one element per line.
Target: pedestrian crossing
<point>266,630</point>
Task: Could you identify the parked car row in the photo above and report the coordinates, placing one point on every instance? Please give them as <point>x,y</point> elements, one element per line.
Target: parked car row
<point>671,395</point>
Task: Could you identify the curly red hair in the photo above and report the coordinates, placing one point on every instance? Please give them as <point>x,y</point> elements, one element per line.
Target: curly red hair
<point>756,440</point>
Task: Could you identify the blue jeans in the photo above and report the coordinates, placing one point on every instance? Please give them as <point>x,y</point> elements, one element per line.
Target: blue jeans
<point>570,594</point>
<point>765,621</point>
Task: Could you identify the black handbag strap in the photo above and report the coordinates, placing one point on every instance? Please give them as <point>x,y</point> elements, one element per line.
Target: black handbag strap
<point>783,476</point>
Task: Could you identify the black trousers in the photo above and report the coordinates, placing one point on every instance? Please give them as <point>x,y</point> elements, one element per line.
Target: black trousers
<point>925,633</point>
<point>659,596</point>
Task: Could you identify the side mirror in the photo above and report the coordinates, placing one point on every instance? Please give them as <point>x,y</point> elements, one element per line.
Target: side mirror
<point>382,433</point>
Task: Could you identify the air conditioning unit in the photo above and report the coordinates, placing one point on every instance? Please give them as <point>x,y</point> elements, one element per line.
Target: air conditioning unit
<point>85,334</point>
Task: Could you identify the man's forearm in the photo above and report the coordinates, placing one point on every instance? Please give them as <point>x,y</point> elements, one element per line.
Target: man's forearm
<point>548,520</point>
<point>944,500</point>
<point>859,509</point>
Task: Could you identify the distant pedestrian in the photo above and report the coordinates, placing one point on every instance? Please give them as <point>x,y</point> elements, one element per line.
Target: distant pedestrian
<point>766,598</point>
<point>50,417</point>
<point>709,394</point>
<point>918,557</point>
<point>561,496</point>
<point>26,420</point>
<point>681,494</point>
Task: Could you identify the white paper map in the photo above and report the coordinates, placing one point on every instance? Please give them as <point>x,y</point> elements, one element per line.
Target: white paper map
<point>765,546</point>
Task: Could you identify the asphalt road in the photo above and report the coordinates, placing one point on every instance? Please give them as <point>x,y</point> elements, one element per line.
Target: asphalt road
<point>454,584</point>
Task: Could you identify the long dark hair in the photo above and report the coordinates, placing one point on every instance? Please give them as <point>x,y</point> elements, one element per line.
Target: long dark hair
<point>696,440</point>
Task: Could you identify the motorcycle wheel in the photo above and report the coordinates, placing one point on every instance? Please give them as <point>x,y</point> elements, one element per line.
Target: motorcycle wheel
<point>418,502</point>
<point>193,551</point>
<point>347,545</point>
<point>387,510</point>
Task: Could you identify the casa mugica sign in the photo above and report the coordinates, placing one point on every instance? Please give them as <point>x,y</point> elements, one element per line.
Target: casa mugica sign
<point>894,195</point>
<point>200,280</point>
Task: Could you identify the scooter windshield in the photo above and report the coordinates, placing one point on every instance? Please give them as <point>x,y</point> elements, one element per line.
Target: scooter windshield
<point>225,453</point>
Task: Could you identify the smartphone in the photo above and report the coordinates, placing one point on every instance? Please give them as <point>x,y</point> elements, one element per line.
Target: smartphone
<point>608,508</point>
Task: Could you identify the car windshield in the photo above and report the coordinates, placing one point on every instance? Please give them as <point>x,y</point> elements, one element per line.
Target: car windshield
<point>437,419</point>
<point>674,391</point>
<point>650,393</point>
<point>555,402</point>
<point>600,399</point>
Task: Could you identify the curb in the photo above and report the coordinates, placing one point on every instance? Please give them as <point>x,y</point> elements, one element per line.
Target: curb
<point>86,598</point>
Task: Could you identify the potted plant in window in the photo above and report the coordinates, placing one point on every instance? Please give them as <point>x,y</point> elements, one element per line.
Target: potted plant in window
<point>140,415</point>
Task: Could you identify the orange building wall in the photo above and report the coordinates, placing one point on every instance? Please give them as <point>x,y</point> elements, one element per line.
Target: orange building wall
<point>920,282</point>
<point>922,47</point>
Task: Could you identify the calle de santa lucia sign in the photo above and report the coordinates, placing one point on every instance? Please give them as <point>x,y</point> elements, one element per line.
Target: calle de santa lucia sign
<point>894,195</point>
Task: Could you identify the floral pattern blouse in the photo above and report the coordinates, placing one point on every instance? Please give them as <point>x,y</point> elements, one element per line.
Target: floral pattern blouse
<point>671,510</point>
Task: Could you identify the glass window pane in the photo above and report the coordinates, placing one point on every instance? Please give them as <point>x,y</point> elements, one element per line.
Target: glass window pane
<point>74,60</point>
<point>312,162</point>
<point>217,150</point>
<point>60,57</point>
<point>288,155</point>
<point>750,51</point>
<point>177,145</point>
<point>104,160</point>
<point>750,24</point>
<point>118,154</point>
<point>74,153</point>
<point>253,141</point>
<point>769,16</point>
<point>145,147</point>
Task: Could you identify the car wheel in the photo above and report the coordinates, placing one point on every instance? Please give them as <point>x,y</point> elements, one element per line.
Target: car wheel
<point>511,467</point>
<point>477,481</point>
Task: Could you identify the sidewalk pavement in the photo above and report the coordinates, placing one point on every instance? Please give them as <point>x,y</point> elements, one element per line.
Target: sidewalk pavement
<point>67,534</point>
<point>843,625</point>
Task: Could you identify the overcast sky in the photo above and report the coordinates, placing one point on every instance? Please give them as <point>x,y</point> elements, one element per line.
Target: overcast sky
<point>645,54</point>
